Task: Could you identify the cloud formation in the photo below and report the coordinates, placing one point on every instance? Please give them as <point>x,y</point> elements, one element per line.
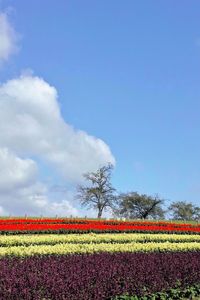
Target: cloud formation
<point>32,131</point>
<point>8,38</point>
<point>15,172</point>
<point>31,125</point>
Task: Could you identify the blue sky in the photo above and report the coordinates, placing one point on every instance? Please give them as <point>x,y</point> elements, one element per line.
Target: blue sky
<point>126,72</point>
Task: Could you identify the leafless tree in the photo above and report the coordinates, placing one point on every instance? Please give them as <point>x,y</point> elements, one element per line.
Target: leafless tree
<point>99,194</point>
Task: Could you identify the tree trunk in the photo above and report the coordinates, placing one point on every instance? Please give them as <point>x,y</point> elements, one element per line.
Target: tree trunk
<point>99,214</point>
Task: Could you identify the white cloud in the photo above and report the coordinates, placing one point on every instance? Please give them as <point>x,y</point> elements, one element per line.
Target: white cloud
<point>3,212</point>
<point>31,125</point>
<point>15,172</point>
<point>8,38</point>
<point>62,208</point>
<point>33,200</point>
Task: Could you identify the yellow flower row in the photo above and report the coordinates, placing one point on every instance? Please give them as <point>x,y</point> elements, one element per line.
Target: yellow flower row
<point>92,248</point>
<point>52,239</point>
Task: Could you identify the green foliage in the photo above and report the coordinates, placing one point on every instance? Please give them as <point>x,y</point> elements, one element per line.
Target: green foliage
<point>186,211</point>
<point>135,206</point>
<point>172,294</point>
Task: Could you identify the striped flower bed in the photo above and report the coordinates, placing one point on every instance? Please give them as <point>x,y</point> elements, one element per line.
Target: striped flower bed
<point>97,276</point>
<point>28,245</point>
<point>71,225</point>
<point>123,238</point>
<point>139,259</point>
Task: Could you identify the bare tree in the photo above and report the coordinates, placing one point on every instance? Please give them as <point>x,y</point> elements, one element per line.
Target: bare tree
<point>134,206</point>
<point>100,194</point>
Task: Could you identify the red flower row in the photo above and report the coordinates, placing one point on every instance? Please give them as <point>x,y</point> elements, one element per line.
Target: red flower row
<point>91,226</point>
<point>46,221</point>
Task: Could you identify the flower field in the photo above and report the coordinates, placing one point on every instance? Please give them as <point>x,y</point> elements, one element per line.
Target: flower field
<point>82,225</point>
<point>79,259</point>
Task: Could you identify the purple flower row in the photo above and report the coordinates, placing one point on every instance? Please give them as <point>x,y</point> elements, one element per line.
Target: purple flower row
<point>97,276</point>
